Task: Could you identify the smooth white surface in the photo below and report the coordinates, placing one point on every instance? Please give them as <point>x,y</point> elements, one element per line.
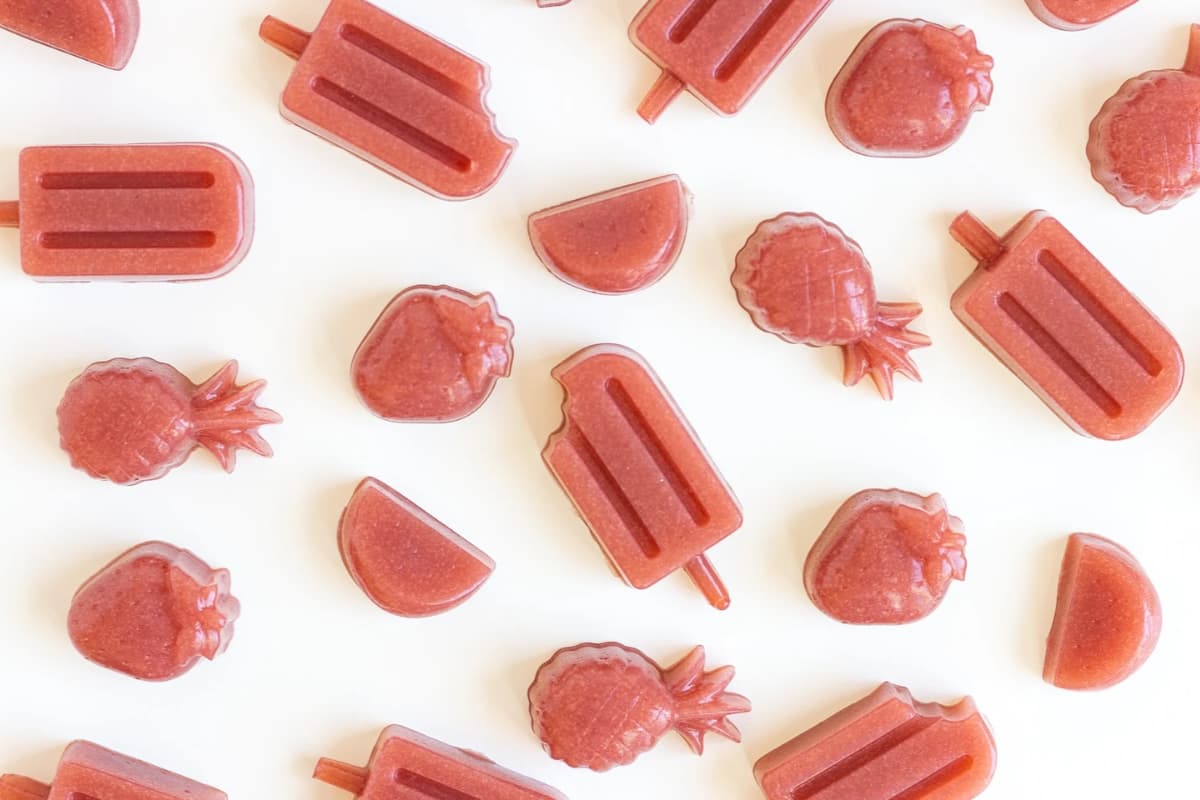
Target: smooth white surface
<point>316,669</point>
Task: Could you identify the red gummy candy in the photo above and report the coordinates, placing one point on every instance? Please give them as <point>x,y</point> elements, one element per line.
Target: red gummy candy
<point>434,355</point>
<point>101,31</point>
<point>133,420</point>
<point>802,279</point>
<point>909,89</point>
<point>1142,144</point>
<point>153,613</point>
<point>1108,616</point>
<point>1075,15</point>
<point>886,558</point>
<point>406,561</point>
<point>603,705</point>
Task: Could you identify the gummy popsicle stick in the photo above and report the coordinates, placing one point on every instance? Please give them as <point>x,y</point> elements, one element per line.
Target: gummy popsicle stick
<point>138,212</point>
<point>406,765</point>
<point>101,31</point>
<point>720,50</point>
<point>885,747</point>
<point>90,772</point>
<point>636,472</point>
<point>1076,15</point>
<point>1052,313</point>
<point>405,101</point>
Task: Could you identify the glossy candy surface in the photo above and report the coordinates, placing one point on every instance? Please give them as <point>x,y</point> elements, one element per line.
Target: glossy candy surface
<point>616,241</point>
<point>406,765</point>
<point>602,705</point>
<point>140,212</point>
<point>1108,616</point>
<point>90,772</point>
<point>1142,144</point>
<point>101,31</point>
<point>719,50</point>
<point>404,100</point>
<point>406,561</point>
<point>434,355</point>
<point>909,89</point>
<point>886,558</point>
<point>802,279</point>
<point>1075,15</point>
<point>885,747</point>
<point>153,613</point>
<point>1055,316</point>
<point>133,420</point>
<point>636,472</point>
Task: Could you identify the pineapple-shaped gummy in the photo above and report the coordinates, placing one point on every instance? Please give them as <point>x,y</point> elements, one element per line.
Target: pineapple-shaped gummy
<point>134,420</point>
<point>802,279</point>
<point>887,557</point>
<point>603,705</point>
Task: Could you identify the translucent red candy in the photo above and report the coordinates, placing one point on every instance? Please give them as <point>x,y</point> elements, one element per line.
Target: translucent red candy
<point>101,31</point>
<point>434,355</point>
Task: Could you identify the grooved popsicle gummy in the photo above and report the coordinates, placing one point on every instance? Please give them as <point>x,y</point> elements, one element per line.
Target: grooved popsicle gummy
<point>90,772</point>
<point>406,765</point>
<point>101,31</point>
<point>1052,313</point>
<point>636,472</point>
<point>885,747</point>
<point>134,212</point>
<point>405,101</point>
<point>719,50</point>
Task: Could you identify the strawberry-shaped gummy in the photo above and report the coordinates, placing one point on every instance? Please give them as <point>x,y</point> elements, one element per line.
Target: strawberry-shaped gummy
<point>133,420</point>
<point>1143,143</point>
<point>603,705</point>
<point>909,89</point>
<point>802,279</point>
<point>153,613</point>
<point>434,355</point>
<point>887,557</point>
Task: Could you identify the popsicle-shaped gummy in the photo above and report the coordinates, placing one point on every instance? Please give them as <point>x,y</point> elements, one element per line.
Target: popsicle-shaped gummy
<point>615,241</point>
<point>637,473</point>
<point>405,101</point>
<point>90,772</point>
<point>720,50</point>
<point>100,31</point>
<point>403,558</point>
<point>1052,313</point>
<point>1075,15</point>
<point>406,765</point>
<point>137,212</point>
<point>1108,616</point>
<point>885,747</point>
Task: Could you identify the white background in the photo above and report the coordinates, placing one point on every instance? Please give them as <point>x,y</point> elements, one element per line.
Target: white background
<point>316,669</point>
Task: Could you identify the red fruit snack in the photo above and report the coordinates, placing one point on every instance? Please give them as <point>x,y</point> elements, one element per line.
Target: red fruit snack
<point>802,279</point>
<point>720,50</point>
<point>1142,144</point>
<point>393,95</point>
<point>90,772</point>
<point>1052,313</point>
<point>406,765</point>
<point>616,241</point>
<point>909,89</point>
<point>138,212</point>
<point>153,613</point>
<point>886,746</point>
<point>1108,616</point>
<point>602,705</point>
<point>101,31</point>
<point>1075,15</point>
<point>636,472</point>
<point>434,355</point>
<point>406,561</point>
<point>886,558</point>
<point>134,420</point>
